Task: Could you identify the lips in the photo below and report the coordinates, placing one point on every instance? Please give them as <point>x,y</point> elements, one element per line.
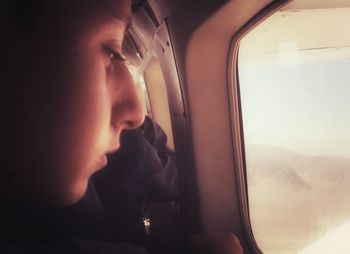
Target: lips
<point>114,149</point>
<point>102,162</point>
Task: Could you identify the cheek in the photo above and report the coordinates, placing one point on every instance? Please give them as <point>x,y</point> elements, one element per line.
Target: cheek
<point>80,129</point>
<point>90,112</point>
<point>61,128</point>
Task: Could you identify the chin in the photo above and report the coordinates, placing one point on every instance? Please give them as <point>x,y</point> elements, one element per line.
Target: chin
<point>76,193</point>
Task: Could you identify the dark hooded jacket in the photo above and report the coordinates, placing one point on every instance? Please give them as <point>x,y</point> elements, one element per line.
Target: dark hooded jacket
<point>113,208</point>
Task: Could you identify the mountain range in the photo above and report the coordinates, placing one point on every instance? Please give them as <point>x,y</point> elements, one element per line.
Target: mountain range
<point>295,170</point>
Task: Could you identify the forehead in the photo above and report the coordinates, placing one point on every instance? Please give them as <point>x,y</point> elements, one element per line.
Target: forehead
<point>82,11</point>
<point>112,16</point>
<point>117,9</point>
<point>85,15</point>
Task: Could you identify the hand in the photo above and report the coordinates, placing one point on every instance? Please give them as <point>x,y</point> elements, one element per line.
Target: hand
<point>216,243</point>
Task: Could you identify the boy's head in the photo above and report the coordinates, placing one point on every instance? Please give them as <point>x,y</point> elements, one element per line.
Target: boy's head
<point>66,94</point>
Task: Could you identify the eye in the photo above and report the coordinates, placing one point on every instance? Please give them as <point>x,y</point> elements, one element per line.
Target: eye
<point>113,54</point>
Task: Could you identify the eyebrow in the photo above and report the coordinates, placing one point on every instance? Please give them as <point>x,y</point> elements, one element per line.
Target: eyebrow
<point>128,23</point>
<point>125,19</point>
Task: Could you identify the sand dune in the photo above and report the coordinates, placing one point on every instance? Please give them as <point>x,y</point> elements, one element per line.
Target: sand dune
<point>295,199</point>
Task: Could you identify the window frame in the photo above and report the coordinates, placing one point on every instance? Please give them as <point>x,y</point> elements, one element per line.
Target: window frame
<point>236,117</point>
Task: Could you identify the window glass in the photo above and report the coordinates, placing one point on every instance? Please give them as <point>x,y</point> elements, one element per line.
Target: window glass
<point>294,79</point>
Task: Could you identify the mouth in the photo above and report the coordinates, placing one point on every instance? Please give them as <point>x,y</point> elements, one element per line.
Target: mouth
<point>114,148</point>
<point>102,162</point>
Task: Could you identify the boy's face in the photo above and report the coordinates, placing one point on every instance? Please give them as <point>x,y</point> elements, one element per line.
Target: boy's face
<point>83,98</point>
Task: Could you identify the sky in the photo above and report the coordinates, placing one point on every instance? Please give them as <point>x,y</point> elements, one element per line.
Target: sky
<point>294,77</point>
<point>304,106</point>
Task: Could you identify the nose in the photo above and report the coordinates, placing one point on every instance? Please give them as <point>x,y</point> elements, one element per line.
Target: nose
<point>127,109</point>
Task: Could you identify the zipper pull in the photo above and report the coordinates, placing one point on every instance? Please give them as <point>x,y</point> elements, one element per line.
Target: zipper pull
<point>145,218</point>
<point>147,225</point>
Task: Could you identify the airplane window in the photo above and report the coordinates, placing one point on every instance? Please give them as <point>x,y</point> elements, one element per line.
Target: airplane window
<point>294,76</point>
<point>157,98</point>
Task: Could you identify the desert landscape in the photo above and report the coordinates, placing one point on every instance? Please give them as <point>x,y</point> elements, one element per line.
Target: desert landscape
<point>295,199</point>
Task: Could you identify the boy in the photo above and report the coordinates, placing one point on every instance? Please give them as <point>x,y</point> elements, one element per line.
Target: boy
<point>66,96</point>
